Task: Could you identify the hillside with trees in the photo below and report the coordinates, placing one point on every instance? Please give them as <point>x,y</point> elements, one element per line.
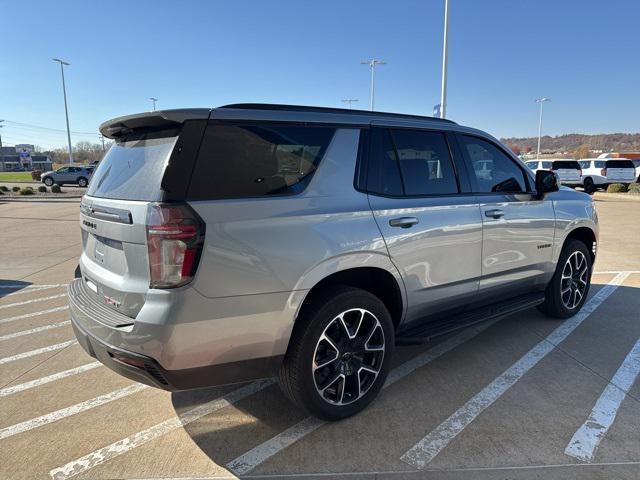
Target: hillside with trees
<point>577,143</point>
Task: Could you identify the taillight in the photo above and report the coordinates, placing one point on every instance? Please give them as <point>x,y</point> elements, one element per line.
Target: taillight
<point>603,172</point>
<point>175,235</point>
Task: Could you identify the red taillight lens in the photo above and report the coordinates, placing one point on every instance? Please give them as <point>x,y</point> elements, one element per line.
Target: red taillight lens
<point>603,172</point>
<point>175,235</point>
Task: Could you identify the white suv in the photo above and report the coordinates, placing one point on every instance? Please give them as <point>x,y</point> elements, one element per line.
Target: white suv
<point>599,173</point>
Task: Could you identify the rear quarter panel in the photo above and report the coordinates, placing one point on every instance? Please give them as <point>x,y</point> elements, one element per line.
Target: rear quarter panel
<point>573,210</point>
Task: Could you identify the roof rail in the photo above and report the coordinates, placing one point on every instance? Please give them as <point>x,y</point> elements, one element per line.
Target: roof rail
<point>342,111</point>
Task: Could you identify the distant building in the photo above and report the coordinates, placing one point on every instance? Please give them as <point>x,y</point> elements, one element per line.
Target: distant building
<point>629,155</point>
<point>21,156</point>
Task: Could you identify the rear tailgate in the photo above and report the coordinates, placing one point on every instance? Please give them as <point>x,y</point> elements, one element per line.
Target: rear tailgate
<point>568,171</point>
<point>620,171</point>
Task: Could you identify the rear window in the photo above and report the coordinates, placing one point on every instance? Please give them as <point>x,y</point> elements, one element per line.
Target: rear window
<point>620,164</point>
<point>132,170</point>
<point>237,161</point>
<point>570,165</point>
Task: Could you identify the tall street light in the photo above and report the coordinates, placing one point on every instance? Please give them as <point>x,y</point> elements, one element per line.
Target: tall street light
<point>349,101</point>
<point>445,54</point>
<point>373,63</point>
<point>1,138</point>
<point>540,101</point>
<point>154,100</point>
<point>66,110</point>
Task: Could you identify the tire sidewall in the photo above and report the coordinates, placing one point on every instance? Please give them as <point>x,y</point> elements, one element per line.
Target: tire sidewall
<point>560,309</point>
<point>48,182</point>
<point>354,298</point>
<point>82,180</point>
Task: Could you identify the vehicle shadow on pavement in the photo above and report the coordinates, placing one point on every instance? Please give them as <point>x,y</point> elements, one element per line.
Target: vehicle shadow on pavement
<point>11,286</point>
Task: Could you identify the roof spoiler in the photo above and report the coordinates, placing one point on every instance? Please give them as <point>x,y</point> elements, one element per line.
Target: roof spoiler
<point>156,120</point>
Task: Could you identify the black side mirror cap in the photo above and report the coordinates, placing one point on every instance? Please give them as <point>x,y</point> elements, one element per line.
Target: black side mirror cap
<point>546,182</point>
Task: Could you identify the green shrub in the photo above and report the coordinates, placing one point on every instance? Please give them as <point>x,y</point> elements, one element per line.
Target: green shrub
<point>4,188</point>
<point>36,174</point>
<point>15,189</point>
<point>616,188</point>
<point>1,192</point>
<point>56,189</point>
<point>26,191</point>
<point>29,187</point>
<point>42,189</point>
<point>634,188</point>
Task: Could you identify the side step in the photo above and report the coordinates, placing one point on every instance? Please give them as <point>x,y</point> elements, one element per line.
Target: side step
<point>426,332</point>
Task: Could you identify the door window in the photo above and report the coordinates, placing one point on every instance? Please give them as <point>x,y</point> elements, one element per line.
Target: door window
<point>493,170</point>
<point>411,163</point>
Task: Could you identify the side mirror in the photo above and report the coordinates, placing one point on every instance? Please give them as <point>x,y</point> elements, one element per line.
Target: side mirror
<point>546,182</point>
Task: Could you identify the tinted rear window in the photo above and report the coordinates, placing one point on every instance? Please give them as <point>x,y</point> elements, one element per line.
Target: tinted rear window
<point>571,165</point>
<point>237,161</point>
<point>619,164</point>
<point>132,170</point>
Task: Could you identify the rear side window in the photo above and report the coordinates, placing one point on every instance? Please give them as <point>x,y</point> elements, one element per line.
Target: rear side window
<point>599,163</point>
<point>237,161</point>
<point>494,171</point>
<point>584,164</point>
<point>411,163</point>
<point>619,164</point>
<point>133,170</point>
<point>567,165</point>
<point>532,165</point>
<point>546,165</point>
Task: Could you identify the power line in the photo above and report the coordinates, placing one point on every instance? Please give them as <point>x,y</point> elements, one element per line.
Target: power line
<point>46,128</point>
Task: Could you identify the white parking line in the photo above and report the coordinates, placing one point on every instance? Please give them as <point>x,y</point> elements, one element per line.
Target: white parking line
<point>33,300</point>
<point>72,410</point>
<point>33,314</point>
<point>254,457</point>
<point>120,447</point>
<point>33,286</point>
<point>38,351</point>
<point>34,330</point>
<point>29,290</point>
<point>432,444</point>
<point>50,378</point>
<point>587,438</point>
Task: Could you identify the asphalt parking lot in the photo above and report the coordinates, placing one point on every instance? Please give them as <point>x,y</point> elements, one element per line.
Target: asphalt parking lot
<point>523,397</point>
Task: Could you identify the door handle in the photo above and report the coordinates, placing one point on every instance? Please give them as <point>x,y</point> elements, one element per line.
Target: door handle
<point>403,222</point>
<point>495,213</point>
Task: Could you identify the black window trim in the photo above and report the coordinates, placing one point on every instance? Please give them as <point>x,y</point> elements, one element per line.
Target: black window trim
<point>526,172</point>
<point>364,186</point>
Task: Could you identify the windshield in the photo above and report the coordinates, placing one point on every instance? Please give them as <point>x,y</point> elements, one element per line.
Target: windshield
<point>132,170</point>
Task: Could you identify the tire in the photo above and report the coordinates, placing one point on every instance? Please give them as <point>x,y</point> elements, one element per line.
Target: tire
<point>320,390</point>
<point>82,182</point>
<point>561,299</point>
<point>48,181</point>
<point>589,186</point>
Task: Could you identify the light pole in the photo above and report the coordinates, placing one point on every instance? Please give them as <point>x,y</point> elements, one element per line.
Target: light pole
<point>445,54</point>
<point>372,63</point>
<point>66,110</point>
<point>349,101</point>
<point>154,100</point>
<point>540,101</point>
<point>1,138</point>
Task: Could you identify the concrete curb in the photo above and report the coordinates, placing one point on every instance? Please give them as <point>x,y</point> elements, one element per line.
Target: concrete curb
<point>617,196</point>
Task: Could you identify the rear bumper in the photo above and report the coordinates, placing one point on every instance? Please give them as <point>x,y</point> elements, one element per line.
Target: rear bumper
<point>86,314</point>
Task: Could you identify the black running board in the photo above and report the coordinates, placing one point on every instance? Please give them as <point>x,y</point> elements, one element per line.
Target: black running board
<point>426,332</point>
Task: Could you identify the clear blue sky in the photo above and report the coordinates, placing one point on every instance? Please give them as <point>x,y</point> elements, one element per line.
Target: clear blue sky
<point>503,54</point>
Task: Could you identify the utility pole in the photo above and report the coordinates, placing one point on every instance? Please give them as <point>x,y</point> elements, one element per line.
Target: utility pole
<point>1,138</point>
<point>154,100</point>
<point>102,138</point>
<point>349,101</point>
<point>373,63</point>
<point>445,54</point>
<point>540,101</point>
<point>66,110</point>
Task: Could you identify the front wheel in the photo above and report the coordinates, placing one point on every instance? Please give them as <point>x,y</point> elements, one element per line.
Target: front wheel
<point>568,289</point>
<point>48,181</point>
<point>339,353</point>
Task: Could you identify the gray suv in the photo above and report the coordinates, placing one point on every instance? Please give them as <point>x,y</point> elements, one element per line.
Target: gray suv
<point>231,244</point>
<point>73,174</point>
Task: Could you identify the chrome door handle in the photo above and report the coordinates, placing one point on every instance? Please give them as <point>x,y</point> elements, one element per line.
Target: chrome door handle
<point>403,222</point>
<point>495,213</point>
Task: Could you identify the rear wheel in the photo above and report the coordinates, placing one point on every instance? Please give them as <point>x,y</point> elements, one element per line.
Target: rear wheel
<point>568,289</point>
<point>339,353</point>
<point>82,182</point>
<point>589,186</point>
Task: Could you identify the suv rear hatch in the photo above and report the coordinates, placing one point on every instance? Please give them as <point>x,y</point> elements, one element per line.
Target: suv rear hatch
<point>620,171</point>
<point>567,170</point>
<point>136,234</point>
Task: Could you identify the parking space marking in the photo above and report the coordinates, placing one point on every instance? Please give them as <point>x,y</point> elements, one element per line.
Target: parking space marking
<point>33,314</point>
<point>120,447</point>
<point>433,443</point>
<point>69,411</point>
<point>585,441</point>
<point>34,286</point>
<point>29,290</point>
<point>49,378</point>
<point>33,300</point>
<point>257,455</point>
<point>34,330</point>
<point>38,351</point>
